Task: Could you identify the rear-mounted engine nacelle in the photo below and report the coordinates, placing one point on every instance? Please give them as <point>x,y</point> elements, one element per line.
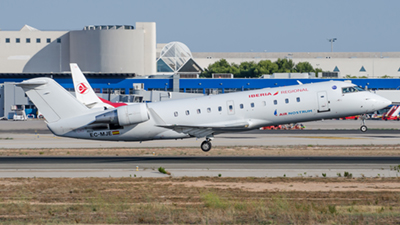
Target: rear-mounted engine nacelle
<point>125,115</point>
<point>132,114</point>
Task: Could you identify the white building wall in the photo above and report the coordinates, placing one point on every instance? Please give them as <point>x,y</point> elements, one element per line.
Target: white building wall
<point>108,51</point>
<point>149,54</point>
<point>392,95</point>
<point>135,51</point>
<point>1,100</point>
<point>115,51</point>
<point>375,67</point>
<point>375,64</point>
<point>33,56</point>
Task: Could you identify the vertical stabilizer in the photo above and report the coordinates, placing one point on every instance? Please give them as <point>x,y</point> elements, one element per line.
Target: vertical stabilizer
<point>83,91</point>
<point>52,100</point>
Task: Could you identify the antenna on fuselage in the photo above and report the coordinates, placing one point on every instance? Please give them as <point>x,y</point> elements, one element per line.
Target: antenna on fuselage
<point>299,82</point>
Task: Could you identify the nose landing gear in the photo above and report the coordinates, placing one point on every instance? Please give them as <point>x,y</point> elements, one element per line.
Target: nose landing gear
<point>363,127</point>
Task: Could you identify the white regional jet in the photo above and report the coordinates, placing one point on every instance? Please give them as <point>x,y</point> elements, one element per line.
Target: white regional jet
<point>200,117</point>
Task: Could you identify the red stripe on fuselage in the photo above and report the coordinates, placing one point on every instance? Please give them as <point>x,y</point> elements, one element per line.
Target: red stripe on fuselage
<point>114,104</point>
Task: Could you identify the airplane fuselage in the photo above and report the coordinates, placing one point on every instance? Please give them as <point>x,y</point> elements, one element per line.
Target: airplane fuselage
<point>237,111</point>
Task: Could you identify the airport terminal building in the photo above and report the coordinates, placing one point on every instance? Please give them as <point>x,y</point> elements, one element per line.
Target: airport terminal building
<point>127,60</point>
<point>99,49</point>
<point>133,49</point>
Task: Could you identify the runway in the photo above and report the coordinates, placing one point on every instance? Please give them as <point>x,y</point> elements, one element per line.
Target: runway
<point>197,166</point>
<point>34,134</point>
<point>195,162</point>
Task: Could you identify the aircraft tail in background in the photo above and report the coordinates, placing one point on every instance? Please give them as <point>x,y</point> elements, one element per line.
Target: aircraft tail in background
<point>84,92</point>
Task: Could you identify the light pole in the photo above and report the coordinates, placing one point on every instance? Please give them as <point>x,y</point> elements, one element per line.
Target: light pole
<point>331,41</point>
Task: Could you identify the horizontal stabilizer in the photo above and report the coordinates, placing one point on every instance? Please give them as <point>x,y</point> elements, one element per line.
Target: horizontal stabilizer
<point>27,83</point>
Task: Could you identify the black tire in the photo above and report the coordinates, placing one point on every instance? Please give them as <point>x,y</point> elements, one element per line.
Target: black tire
<point>206,146</point>
<point>363,128</point>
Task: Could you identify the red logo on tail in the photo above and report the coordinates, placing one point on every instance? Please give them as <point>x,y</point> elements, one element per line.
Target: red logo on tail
<point>82,89</point>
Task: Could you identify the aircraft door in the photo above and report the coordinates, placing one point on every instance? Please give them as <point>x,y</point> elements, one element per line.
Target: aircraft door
<point>323,103</point>
<point>231,107</point>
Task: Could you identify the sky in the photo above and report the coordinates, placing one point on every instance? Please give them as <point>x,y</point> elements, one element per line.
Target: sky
<point>228,25</point>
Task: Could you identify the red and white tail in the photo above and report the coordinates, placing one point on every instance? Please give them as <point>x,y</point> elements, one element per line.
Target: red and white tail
<point>84,92</point>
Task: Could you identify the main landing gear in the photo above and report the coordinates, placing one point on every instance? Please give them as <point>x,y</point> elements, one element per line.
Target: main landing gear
<point>206,145</point>
<point>363,127</point>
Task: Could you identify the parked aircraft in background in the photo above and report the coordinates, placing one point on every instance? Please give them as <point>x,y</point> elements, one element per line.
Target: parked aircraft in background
<point>392,114</point>
<point>200,117</point>
<point>84,92</point>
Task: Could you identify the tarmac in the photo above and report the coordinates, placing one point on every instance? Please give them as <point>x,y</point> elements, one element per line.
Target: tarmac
<point>34,134</point>
<point>147,166</point>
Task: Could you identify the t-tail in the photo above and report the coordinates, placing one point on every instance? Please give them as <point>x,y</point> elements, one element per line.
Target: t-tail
<point>52,100</point>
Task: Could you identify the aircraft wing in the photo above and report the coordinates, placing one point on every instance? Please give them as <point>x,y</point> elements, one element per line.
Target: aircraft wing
<point>200,131</point>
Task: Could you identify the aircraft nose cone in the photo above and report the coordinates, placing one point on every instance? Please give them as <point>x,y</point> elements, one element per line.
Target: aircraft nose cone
<point>387,102</point>
<point>383,102</point>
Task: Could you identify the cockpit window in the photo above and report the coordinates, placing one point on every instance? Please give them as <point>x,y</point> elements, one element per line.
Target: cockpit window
<point>351,89</point>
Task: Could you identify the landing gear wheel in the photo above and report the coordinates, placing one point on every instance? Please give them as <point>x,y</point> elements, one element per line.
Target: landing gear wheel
<point>206,146</point>
<point>363,128</point>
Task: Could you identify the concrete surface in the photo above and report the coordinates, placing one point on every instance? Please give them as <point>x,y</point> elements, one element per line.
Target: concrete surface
<point>34,134</point>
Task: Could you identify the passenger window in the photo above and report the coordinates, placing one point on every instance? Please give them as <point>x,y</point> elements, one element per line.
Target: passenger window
<point>175,114</point>
<point>230,107</point>
<point>275,102</point>
<point>286,100</point>
<point>198,111</point>
<point>220,108</point>
<point>187,112</point>
<point>298,99</point>
<point>241,106</point>
<point>252,105</point>
<point>208,110</point>
<point>264,103</point>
